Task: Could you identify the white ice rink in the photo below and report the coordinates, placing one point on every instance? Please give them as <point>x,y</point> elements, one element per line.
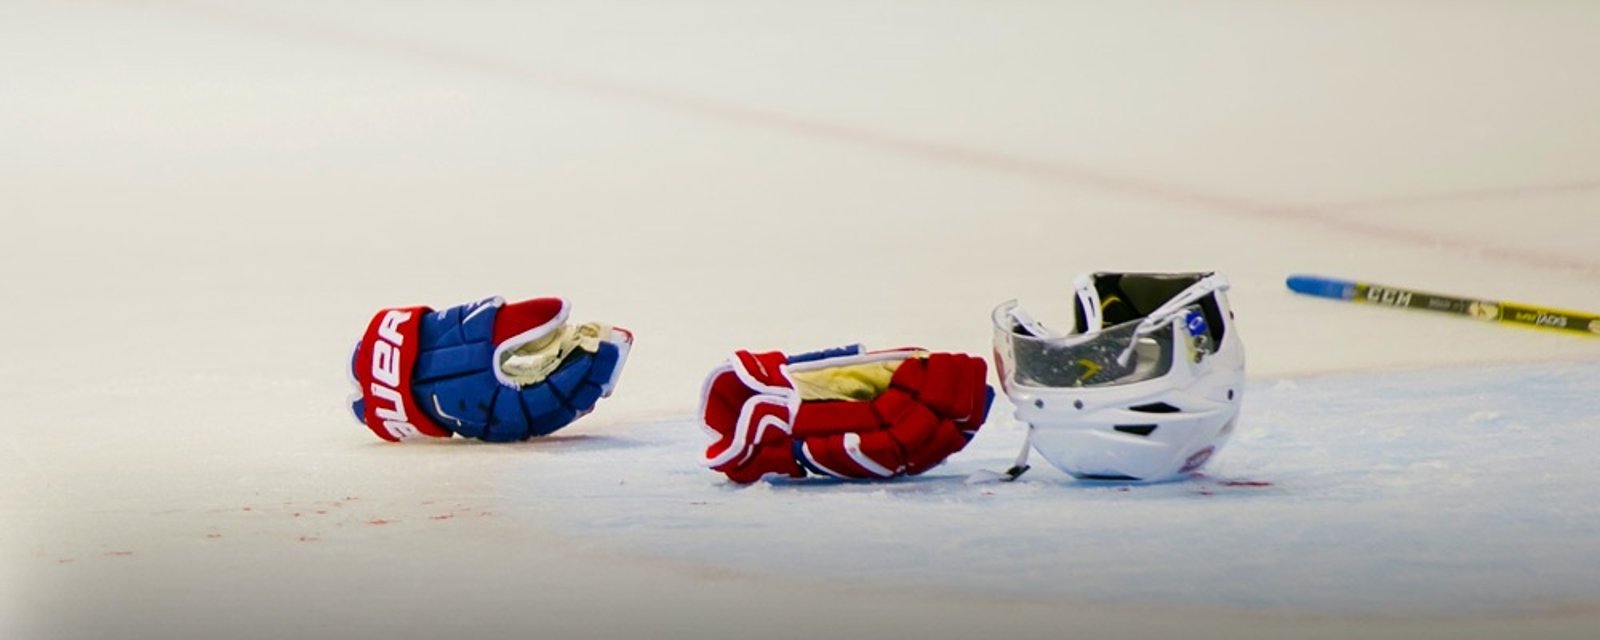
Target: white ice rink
<point>202,203</point>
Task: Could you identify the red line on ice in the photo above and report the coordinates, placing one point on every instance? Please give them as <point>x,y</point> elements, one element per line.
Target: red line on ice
<point>1063,172</point>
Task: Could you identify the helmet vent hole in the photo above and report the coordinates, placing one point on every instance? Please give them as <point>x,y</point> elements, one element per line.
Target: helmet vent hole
<point>1155,407</point>
<point>1108,477</point>
<point>1038,402</point>
<point>1077,404</point>
<point>1136,429</point>
<point>1230,394</point>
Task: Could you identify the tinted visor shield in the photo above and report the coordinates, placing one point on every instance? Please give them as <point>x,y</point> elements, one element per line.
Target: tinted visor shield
<point>1130,352</point>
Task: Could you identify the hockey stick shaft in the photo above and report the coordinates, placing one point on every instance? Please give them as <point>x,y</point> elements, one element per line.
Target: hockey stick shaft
<point>1500,311</point>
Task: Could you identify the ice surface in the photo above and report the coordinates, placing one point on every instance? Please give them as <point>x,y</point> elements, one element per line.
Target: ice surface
<point>210,198</point>
<point>1388,493</point>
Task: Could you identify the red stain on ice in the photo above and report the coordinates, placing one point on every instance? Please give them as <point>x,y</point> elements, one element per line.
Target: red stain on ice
<point>446,516</point>
<point>1245,483</point>
<point>377,522</point>
<point>118,553</point>
<point>213,536</point>
<point>247,509</point>
<point>322,511</point>
<point>295,514</point>
<point>308,538</point>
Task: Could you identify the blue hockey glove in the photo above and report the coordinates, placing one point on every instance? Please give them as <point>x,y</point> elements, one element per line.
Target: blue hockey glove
<point>488,370</point>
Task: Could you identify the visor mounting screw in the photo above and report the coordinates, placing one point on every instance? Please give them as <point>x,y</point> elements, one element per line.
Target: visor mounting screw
<point>1077,404</point>
<point>1038,403</point>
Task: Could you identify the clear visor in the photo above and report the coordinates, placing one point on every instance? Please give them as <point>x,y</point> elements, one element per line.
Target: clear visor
<point>1130,352</point>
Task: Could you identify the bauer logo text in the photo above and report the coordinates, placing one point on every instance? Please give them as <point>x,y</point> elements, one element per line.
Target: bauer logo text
<point>386,375</point>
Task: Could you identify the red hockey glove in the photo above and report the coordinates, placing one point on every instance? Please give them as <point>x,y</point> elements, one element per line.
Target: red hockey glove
<point>841,413</point>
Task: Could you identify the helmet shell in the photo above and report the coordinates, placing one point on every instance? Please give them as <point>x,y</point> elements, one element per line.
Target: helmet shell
<point>1153,429</point>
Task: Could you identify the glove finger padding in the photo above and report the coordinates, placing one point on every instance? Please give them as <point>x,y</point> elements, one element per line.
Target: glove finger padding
<point>487,370</point>
<point>841,413</point>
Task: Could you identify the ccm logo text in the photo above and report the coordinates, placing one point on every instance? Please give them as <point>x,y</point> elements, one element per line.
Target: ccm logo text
<point>1390,297</point>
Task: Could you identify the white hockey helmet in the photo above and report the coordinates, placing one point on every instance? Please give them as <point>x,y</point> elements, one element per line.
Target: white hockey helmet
<point>1147,387</point>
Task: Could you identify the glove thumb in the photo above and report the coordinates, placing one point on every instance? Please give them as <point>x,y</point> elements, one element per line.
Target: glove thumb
<point>533,339</point>
<point>527,340</point>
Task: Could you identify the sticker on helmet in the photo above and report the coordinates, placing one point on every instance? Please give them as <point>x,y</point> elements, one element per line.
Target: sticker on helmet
<point>1196,323</point>
<point>1199,343</point>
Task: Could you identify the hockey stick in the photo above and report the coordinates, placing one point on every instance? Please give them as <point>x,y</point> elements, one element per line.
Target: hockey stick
<point>1487,310</point>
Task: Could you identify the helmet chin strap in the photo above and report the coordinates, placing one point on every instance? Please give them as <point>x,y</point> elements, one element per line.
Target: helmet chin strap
<point>1164,314</point>
<point>1010,475</point>
<point>1022,320</point>
<point>1021,465</point>
<point>1088,303</point>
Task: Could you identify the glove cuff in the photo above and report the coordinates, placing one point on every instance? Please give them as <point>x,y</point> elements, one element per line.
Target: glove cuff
<point>383,366</point>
